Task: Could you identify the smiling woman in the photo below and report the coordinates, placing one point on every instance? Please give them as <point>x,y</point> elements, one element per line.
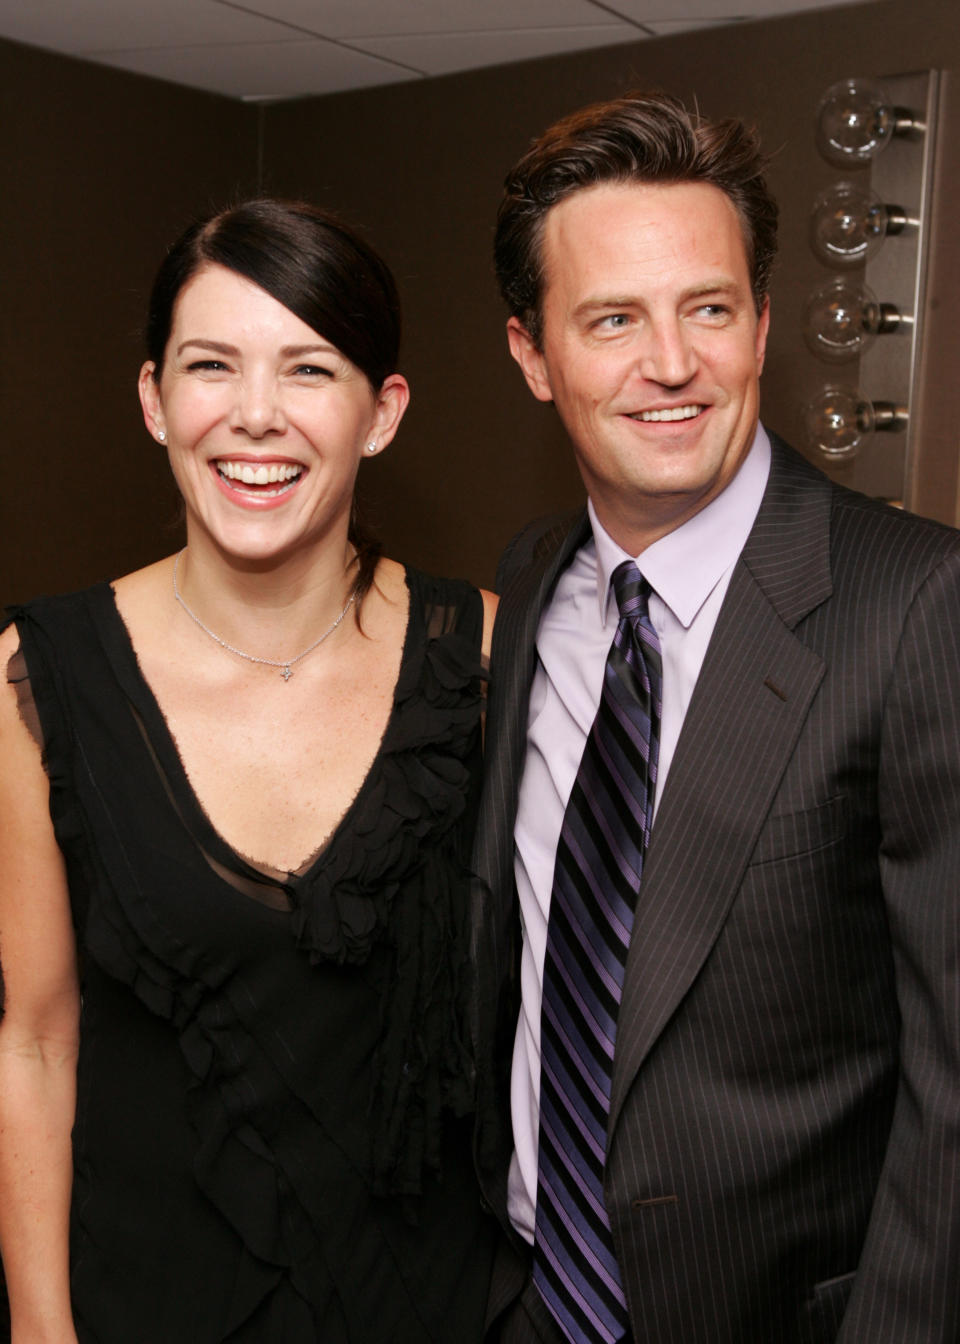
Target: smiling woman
<point>238,790</point>
<point>260,415</point>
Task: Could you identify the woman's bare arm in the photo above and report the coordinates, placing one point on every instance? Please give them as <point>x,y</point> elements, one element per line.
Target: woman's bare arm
<point>38,1038</point>
<point>490,604</point>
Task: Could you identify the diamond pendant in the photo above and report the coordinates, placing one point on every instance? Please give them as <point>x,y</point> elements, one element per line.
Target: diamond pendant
<point>287,674</point>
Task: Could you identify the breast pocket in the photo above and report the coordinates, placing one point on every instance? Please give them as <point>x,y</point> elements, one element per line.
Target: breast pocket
<point>824,1309</point>
<point>789,834</point>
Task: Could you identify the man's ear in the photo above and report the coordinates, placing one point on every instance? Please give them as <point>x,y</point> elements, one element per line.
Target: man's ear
<point>530,358</point>
<point>763,330</point>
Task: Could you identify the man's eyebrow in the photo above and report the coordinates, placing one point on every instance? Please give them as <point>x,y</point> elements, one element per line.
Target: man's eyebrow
<point>721,284</point>
<point>596,305</point>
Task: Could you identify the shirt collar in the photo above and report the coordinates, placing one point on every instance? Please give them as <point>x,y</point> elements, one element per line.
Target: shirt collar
<point>684,567</point>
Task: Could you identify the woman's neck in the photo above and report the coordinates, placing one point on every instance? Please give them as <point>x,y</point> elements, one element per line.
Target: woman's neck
<point>268,609</point>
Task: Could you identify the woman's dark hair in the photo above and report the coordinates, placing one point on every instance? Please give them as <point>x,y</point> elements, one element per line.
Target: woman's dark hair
<point>320,270</point>
<point>643,138</point>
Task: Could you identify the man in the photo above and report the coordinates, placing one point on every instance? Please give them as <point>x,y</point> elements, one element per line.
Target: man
<point>735,1088</point>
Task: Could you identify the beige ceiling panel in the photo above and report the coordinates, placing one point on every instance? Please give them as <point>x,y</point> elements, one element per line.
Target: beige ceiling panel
<point>81,26</point>
<point>267,71</point>
<point>445,53</point>
<point>714,11</point>
<point>350,18</point>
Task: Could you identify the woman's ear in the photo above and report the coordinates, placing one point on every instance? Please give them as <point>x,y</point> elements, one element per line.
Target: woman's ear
<point>149,391</point>
<point>392,400</point>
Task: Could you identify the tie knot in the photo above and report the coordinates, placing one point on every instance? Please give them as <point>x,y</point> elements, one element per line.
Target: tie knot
<point>631,590</point>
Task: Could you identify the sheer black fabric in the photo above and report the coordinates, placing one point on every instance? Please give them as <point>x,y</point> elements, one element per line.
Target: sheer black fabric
<point>272,1138</point>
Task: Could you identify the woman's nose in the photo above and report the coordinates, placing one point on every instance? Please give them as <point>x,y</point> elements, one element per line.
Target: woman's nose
<point>258,410</point>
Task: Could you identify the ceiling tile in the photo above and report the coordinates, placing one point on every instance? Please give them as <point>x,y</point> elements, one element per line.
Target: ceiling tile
<point>665,27</point>
<point>444,53</point>
<point>82,26</point>
<point>713,11</point>
<point>261,48</point>
<point>264,71</point>
<point>343,18</point>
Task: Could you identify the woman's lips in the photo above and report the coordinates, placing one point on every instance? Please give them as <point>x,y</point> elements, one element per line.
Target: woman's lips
<point>259,483</point>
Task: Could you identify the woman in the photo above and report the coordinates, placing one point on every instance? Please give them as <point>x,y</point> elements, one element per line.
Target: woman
<point>233,959</point>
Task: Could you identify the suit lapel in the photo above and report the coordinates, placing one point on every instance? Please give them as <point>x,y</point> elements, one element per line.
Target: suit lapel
<point>495,914</point>
<point>751,700</point>
<point>512,663</point>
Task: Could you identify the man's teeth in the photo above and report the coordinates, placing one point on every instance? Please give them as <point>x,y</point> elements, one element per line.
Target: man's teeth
<point>672,413</point>
<point>265,474</point>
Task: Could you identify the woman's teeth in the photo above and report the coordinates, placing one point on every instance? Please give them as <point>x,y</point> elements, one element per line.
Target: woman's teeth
<point>270,473</point>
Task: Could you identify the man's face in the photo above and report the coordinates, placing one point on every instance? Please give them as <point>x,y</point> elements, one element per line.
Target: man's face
<point>652,349</point>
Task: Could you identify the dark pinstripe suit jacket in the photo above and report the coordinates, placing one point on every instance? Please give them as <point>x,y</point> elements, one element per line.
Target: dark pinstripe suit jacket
<point>784,1142</point>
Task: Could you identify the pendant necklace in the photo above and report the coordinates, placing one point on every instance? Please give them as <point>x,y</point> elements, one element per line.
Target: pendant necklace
<point>285,664</point>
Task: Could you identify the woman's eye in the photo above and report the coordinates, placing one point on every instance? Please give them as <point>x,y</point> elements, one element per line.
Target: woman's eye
<point>312,371</point>
<point>207,366</point>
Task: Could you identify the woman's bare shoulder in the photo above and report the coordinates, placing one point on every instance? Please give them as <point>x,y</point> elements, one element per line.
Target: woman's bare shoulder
<point>490,604</point>
<point>9,643</point>
<point>142,585</point>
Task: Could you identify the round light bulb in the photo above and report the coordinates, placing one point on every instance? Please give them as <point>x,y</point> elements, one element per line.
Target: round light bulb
<point>847,225</point>
<point>838,422</point>
<point>841,320</point>
<point>854,122</point>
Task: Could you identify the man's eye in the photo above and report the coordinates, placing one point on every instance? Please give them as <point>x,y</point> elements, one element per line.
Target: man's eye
<point>616,321</point>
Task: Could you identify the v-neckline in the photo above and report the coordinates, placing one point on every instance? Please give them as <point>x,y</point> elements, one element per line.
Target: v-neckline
<point>161,744</point>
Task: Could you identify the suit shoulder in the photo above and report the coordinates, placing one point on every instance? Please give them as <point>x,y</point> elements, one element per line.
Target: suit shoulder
<point>542,535</point>
<point>866,530</point>
<point>878,531</point>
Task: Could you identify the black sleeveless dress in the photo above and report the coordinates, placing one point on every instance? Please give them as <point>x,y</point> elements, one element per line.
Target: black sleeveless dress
<point>272,1140</point>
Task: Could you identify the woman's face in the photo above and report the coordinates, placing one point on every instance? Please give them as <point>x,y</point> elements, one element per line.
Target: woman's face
<point>265,421</point>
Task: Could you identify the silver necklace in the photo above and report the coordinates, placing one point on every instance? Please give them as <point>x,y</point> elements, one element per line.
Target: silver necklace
<point>285,664</point>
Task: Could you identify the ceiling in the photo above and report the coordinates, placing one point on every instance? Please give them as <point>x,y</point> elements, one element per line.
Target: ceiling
<point>271,49</point>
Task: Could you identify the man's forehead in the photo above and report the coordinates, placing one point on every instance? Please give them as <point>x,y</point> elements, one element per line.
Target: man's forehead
<point>639,233</point>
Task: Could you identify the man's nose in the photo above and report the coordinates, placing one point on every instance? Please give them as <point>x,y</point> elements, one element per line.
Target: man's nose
<point>668,356</point>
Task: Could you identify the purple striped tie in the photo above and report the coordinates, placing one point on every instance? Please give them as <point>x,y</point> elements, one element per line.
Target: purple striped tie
<point>606,829</point>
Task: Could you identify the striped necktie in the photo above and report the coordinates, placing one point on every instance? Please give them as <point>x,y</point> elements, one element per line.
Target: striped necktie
<point>606,829</point>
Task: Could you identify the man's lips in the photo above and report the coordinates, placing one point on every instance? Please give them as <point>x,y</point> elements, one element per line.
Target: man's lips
<point>666,414</point>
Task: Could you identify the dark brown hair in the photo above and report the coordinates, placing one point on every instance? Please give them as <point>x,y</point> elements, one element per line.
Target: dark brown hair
<point>642,137</point>
<point>320,270</point>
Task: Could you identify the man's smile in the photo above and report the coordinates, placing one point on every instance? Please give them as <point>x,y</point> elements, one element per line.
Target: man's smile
<point>668,413</point>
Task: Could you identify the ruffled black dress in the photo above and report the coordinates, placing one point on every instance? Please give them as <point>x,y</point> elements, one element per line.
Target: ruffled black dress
<point>272,1139</point>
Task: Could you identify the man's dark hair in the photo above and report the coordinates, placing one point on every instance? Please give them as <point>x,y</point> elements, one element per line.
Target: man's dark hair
<point>644,138</point>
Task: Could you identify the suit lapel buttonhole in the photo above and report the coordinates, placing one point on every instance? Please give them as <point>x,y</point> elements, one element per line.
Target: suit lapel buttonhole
<point>772,686</point>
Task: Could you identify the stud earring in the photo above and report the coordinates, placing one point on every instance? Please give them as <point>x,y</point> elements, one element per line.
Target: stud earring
<point>372,446</point>
<point>162,435</point>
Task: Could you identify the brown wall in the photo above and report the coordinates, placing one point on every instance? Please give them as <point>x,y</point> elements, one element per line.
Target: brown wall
<point>105,168</point>
<point>100,170</point>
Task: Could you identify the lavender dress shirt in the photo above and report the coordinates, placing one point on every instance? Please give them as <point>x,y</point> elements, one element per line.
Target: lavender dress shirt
<point>688,570</point>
